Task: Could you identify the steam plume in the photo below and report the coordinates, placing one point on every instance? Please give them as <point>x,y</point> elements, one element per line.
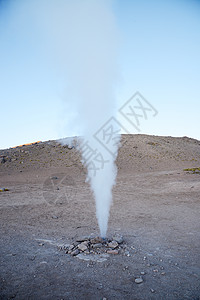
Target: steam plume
<point>79,38</point>
<point>93,72</point>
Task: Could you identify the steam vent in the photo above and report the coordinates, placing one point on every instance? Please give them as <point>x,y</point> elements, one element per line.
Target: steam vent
<point>96,248</point>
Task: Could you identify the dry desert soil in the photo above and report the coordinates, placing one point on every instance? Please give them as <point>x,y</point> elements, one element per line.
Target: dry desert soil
<point>46,205</point>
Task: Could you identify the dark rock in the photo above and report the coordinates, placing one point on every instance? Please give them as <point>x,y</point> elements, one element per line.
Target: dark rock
<point>71,247</point>
<point>3,160</point>
<point>64,247</point>
<point>75,252</point>
<point>82,239</point>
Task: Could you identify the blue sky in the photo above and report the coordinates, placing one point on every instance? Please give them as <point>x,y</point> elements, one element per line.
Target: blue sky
<point>159,56</point>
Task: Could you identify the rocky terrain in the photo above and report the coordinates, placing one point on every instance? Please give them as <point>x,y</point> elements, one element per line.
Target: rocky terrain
<point>50,246</point>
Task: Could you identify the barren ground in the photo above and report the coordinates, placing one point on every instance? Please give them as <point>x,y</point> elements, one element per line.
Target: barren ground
<point>155,207</point>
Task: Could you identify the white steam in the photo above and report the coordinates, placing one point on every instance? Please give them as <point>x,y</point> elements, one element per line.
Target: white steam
<point>79,38</point>
<point>92,71</point>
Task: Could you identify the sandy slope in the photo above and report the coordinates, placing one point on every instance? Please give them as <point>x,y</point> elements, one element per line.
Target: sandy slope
<point>155,207</point>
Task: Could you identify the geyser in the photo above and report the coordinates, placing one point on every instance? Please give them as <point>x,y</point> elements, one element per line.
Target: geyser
<point>94,67</point>
<point>79,40</point>
<point>102,181</point>
<point>90,57</point>
<point>92,74</point>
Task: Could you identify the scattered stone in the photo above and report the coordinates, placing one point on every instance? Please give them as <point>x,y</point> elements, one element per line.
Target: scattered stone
<point>118,238</point>
<point>138,280</point>
<point>43,262</point>
<point>99,245</point>
<point>113,244</point>
<point>54,217</point>
<point>96,240</point>
<point>70,147</point>
<point>142,273</point>
<point>126,252</point>
<point>86,243</point>
<point>112,251</point>
<point>155,270</point>
<point>75,252</point>
<point>152,290</point>
<point>82,247</point>
<point>82,239</point>
<point>75,244</point>
<point>41,244</point>
<point>71,247</point>
<point>162,273</point>
<point>64,247</point>
<point>92,246</point>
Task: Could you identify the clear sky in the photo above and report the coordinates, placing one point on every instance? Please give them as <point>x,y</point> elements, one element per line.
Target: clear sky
<point>159,56</point>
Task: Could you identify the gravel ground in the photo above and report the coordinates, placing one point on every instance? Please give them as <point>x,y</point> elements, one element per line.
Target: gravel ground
<point>45,206</point>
